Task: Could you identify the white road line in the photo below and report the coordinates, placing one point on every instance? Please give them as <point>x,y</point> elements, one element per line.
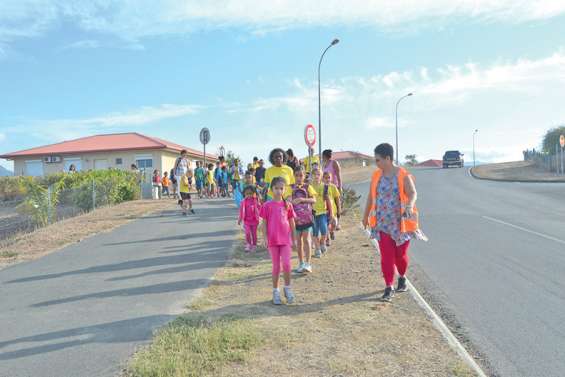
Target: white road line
<point>525,230</point>
<point>438,323</point>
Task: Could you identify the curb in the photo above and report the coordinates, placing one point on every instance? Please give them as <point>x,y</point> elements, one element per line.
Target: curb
<point>438,323</point>
<point>474,175</point>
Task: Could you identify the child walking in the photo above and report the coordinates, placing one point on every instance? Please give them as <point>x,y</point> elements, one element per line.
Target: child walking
<point>166,184</point>
<point>156,182</point>
<point>210,189</point>
<point>303,197</point>
<point>322,211</point>
<point>335,200</point>
<point>185,201</point>
<point>249,214</point>
<point>278,229</point>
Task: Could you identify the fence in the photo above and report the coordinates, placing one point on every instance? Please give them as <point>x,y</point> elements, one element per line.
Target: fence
<point>29,203</point>
<point>550,162</point>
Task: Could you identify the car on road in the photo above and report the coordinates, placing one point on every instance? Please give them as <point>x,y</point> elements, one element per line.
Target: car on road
<point>453,158</point>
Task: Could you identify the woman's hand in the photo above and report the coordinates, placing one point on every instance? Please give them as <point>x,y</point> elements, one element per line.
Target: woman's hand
<point>408,212</point>
<point>365,222</point>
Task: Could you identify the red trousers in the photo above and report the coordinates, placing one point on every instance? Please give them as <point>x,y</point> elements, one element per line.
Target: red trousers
<point>392,256</point>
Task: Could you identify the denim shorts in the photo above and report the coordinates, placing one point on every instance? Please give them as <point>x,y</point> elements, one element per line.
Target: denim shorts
<point>304,228</point>
<point>321,225</point>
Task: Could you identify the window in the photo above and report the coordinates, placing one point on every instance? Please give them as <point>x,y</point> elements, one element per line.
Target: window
<point>119,161</point>
<point>144,164</point>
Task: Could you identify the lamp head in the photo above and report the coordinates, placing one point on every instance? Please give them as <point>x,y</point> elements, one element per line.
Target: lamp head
<point>335,41</point>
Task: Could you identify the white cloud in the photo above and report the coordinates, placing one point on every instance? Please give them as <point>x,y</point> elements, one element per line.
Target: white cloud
<point>378,122</point>
<point>83,44</point>
<point>134,20</point>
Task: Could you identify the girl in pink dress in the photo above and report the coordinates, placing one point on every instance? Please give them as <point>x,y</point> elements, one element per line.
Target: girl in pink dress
<point>278,229</point>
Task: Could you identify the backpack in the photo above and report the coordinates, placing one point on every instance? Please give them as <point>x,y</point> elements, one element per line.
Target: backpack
<point>303,210</point>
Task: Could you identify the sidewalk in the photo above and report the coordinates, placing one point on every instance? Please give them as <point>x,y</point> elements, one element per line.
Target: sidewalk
<point>84,310</point>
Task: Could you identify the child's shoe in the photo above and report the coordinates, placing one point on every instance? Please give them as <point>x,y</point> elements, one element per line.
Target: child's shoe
<point>289,295</point>
<point>277,297</point>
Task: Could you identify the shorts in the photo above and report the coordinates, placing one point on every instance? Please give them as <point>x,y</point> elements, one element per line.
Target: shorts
<point>304,228</point>
<point>321,225</point>
<point>185,195</point>
<point>199,184</point>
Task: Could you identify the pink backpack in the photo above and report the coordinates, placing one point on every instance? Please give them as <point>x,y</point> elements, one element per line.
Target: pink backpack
<point>303,210</point>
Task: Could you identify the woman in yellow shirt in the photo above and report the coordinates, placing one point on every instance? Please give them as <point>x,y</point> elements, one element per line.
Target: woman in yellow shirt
<point>277,157</point>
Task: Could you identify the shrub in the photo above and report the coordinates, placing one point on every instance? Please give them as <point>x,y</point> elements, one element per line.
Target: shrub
<point>349,200</point>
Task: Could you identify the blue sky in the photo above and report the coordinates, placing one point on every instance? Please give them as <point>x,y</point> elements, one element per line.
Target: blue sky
<point>247,70</point>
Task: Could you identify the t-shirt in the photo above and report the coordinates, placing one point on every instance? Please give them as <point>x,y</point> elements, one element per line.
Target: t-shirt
<point>260,173</point>
<point>184,184</point>
<point>315,160</point>
<point>249,210</point>
<point>199,174</point>
<point>210,177</point>
<point>286,173</point>
<point>320,205</point>
<point>236,176</point>
<point>277,215</point>
<point>181,166</point>
<point>166,181</point>
<point>334,195</point>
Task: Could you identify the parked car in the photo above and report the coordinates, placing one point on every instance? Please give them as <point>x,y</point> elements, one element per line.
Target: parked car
<point>453,158</point>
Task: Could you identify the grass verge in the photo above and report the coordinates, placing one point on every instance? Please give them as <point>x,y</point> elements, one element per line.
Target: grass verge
<point>192,346</point>
<point>29,246</point>
<point>523,171</point>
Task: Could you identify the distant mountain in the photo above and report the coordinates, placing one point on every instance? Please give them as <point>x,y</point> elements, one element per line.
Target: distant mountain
<point>5,172</point>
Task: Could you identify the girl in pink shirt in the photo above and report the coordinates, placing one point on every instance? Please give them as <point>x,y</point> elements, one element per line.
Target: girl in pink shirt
<point>249,214</point>
<point>278,230</point>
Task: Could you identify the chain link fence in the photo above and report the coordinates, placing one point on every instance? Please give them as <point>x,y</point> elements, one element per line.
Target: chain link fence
<point>550,162</point>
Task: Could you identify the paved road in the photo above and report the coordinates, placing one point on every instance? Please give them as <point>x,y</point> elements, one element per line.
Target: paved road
<point>496,260</point>
<point>82,311</point>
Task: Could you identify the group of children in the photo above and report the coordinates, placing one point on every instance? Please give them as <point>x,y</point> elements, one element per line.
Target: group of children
<point>303,218</point>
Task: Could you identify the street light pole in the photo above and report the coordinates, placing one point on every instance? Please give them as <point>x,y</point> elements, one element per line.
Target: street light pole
<point>334,42</point>
<point>474,133</point>
<point>396,117</point>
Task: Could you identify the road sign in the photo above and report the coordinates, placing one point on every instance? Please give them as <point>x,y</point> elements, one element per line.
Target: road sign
<point>562,141</point>
<point>310,135</point>
<point>204,136</point>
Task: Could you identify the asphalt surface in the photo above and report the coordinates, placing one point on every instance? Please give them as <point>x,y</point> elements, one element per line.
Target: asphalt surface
<point>495,266</point>
<point>84,310</point>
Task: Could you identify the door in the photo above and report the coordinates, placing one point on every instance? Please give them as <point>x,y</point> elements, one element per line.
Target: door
<point>34,168</point>
<point>100,164</point>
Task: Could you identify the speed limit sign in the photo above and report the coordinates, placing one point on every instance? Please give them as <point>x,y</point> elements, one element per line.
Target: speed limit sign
<point>310,135</point>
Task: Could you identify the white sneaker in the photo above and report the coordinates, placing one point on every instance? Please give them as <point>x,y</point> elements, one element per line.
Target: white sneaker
<point>277,297</point>
<point>289,295</point>
<point>318,253</point>
<point>307,267</point>
<point>300,268</point>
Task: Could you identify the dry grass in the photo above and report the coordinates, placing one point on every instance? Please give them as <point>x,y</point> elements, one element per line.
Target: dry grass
<point>45,240</point>
<point>516,171</point>
<point>337,326</point>
<point>357,174</point>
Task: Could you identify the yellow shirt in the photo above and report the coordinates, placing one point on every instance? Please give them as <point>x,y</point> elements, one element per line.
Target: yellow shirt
<point>255,165</point>
<point>183,184</point>
<point>286,173</point>
<point>315,160</point>
<point>334,195</point>
<point>210,177</point>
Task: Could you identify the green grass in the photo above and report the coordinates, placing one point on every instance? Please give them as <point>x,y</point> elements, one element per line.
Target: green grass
<point>193,346</point>
<point>8,254</point>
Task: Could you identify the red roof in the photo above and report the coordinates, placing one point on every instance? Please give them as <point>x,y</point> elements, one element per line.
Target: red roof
<point>346,155</point>
<point>430,164</point>
<point>104,143</point>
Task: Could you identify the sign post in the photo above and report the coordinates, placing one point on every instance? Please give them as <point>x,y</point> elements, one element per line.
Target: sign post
<point>310,140</point>
<point>562,143</point>
<point>204,139</point>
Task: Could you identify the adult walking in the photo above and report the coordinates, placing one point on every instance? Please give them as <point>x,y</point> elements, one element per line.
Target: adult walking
<point>236,173</point>
<point>392,216</point>
<point>311,161</point>
<point>329,165</point>
<point>291,159</point>
<point>278,159</point>
<point>180,169</point>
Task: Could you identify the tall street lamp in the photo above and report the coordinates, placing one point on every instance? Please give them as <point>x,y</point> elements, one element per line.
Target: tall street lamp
<point>334,42</point>
<point>397,102</point>
<point>474,133</point>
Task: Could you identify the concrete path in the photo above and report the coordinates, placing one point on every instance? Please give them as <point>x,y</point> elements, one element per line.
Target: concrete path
<point>84,310</point>
<point>495,266</point>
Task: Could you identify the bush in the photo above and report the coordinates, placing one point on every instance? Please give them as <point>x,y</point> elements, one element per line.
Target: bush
<point>551,139</point>
<point>10,189</point>
<point>349,199</point>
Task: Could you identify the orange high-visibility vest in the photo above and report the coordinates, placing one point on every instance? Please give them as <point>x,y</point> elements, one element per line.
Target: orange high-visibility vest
<point>406,224</point>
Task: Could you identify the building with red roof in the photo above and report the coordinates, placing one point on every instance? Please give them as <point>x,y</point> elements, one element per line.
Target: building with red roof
<point>349,158</point>
<point>117,151</point>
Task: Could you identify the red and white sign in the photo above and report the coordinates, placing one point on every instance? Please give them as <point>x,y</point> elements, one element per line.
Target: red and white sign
<point>562,141</point>
<point>310,135</point>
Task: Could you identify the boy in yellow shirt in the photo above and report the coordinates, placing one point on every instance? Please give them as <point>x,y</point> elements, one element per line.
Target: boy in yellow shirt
<point>185,199</point>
